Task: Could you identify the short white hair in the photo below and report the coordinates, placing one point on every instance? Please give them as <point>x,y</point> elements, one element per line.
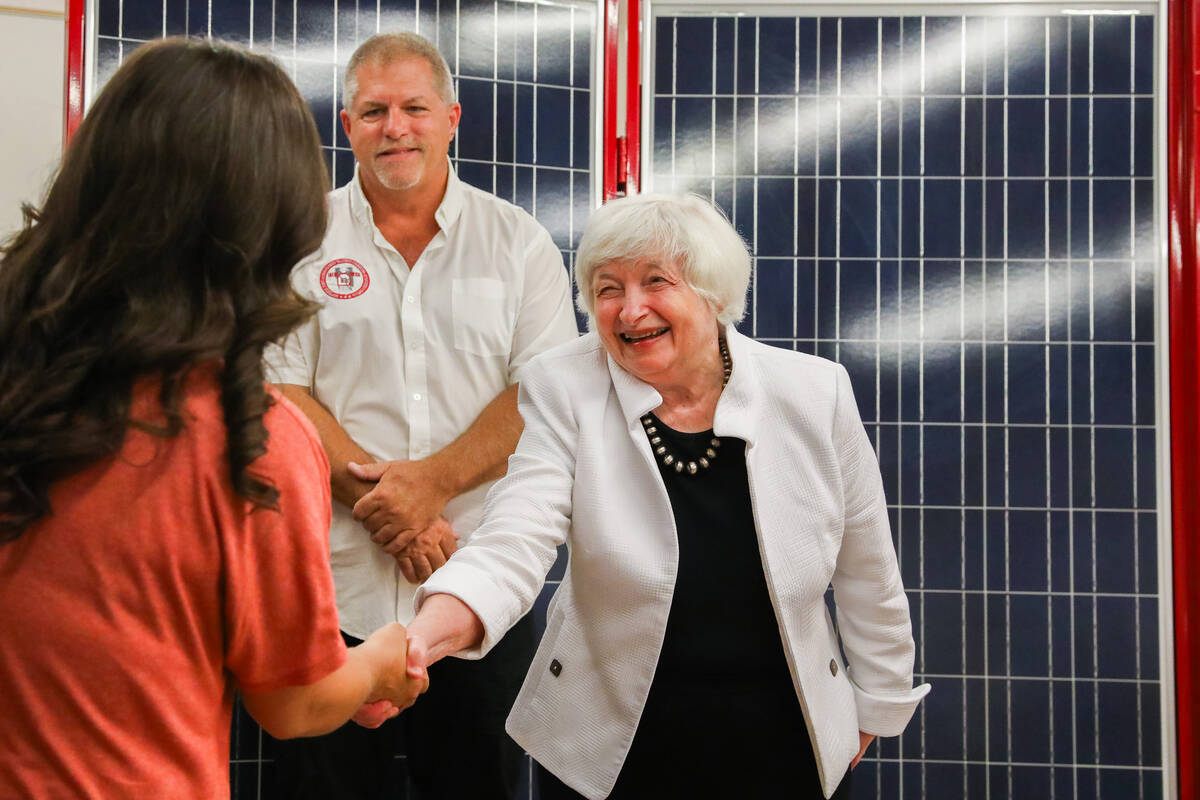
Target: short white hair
<point>687,229</point>
<point>385,48</point>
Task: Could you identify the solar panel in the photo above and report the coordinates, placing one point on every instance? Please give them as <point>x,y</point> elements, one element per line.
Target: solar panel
<point>960,209</point>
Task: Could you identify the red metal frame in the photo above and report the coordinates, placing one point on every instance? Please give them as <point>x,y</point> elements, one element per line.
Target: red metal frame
<point>1183,209</point>
<point>73,101</point>
<point>622,149</point>
<point>633,100</point>
<point>610,99</point>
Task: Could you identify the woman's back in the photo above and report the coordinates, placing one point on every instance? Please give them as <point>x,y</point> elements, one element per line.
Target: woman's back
<point>149,593</point>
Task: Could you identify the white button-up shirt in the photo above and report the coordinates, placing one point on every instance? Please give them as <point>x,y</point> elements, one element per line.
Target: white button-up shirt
<point>406,359</point>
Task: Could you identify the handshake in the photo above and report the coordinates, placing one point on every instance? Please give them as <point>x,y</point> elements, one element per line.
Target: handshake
<point>444,625</point>
<point>401,679</point>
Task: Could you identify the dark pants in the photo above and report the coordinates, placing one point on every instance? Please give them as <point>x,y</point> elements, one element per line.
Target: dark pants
<point>453,738</point>
<point>551,788</point>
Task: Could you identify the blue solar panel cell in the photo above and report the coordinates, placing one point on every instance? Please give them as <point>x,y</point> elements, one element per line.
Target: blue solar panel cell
<point>475,140</point>
<point>553,44</point>
<point>1112,49</point>
<point>476,40</point>
<point>692,143</point>
<point>858,51</point>
<point>1111,151</point>
<point>1026,60</point>
<point>321,77</point>
<point>1112,219</point>
<point>553,126</point>
<point>508,46</point>
<point>108,20</point>
<point>139,21</point>
<point>941,385</point>
<point>1113,369</point>
<point>774,289</point>
<point>476,174</point>
<point>944,741</point>
<point>553,199</point>
<point>1118,743</point>
<point>776,214</point>
<point>943,133</point>
<point>694,56</point>
<point>342,169</point>
<point>942,454</point>
<point>525,35</point>
<point>1026,136</point>
<point>1116,562</point>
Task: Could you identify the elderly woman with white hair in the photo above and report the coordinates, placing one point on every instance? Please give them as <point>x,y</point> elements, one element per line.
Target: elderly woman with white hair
<point>709,489</point>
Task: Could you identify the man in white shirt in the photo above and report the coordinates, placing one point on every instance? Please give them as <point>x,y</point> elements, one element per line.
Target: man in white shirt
<point>433,296</point>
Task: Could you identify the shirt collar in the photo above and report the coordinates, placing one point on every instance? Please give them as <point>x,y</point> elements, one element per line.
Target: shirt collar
<point>447,213</point>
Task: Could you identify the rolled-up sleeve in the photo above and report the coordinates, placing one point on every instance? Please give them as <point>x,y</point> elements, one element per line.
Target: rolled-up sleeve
<point>872,609</point>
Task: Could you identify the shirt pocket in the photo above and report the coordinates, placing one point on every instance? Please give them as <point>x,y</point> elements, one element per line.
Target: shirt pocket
<point>481,324</point>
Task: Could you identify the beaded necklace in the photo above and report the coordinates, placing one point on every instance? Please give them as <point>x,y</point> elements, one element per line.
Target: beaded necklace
<point>660,448</point>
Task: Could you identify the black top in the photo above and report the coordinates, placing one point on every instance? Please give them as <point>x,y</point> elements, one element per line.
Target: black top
<point>721,585</point>
<point>722,718</point>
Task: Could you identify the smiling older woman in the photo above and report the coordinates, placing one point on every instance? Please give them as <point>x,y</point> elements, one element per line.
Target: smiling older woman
<point>709,489</point>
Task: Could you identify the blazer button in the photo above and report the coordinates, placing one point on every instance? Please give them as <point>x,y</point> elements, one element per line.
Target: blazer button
<point>832,667</point>
<point>555,667</point>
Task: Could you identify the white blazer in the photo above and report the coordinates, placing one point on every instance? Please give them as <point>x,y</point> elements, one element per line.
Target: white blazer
<point>584,473</point>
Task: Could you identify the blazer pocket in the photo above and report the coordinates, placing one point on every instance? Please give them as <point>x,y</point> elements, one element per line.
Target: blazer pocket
<point>559,660</point>
<point>481,323</point>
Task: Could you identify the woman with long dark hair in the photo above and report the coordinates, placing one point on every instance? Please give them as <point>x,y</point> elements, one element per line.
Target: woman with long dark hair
<point>164,514</point>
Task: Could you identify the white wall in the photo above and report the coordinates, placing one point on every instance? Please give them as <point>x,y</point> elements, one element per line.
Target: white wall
<point>32,82</point>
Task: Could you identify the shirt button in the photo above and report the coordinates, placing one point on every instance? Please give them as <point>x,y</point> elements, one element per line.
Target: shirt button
<point>555,668</point>
<point>417,396</point>
<point>833,667</point>
<point>411,299</point>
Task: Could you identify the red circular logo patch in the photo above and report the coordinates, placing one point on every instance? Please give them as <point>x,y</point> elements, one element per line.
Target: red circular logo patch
<point>344,278</point>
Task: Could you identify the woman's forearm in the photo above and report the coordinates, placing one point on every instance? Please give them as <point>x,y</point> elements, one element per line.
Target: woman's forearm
<point>375,670</point>
<point>444,626</point>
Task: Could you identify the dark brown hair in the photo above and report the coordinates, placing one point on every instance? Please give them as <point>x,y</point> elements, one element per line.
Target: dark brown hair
<point>191,188</point>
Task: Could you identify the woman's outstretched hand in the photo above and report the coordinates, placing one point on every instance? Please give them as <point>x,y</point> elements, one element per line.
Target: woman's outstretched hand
<point>442,627</point>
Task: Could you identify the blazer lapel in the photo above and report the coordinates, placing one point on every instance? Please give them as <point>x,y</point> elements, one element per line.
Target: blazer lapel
<point>739,408</point>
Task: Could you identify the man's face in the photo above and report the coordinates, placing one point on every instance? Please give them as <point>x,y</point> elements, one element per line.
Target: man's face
<point>399,126</point>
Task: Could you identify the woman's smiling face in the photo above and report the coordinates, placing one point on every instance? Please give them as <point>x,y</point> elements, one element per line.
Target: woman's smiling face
<point>652,321</point>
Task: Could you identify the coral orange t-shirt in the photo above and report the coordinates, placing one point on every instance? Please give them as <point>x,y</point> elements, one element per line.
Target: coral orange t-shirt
<point>151,591</point>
